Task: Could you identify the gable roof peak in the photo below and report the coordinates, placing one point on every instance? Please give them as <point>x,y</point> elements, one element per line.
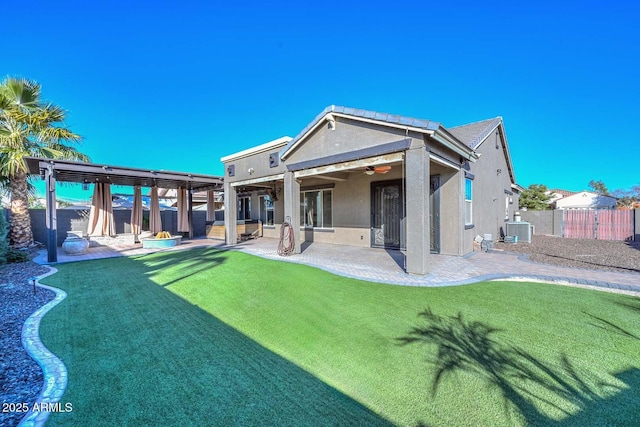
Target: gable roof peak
<point>386,119</point>
<point>472,134</point>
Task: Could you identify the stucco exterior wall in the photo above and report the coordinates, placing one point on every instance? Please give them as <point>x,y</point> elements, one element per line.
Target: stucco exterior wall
<point>258,163</point>
<point>490,186</point>
<point>351,200</point>
<point>450,218</point>
<point>349,135</point>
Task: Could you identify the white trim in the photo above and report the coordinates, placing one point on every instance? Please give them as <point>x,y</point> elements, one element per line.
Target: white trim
<point>387,124</point>
<point>276,143</point>
<point>258,180</point>
<point>356,118</point>
<point>488,133</point>
<point>517,187</point>
<point>371,161</point>
<point>443,161</point>
<point>454,145</point>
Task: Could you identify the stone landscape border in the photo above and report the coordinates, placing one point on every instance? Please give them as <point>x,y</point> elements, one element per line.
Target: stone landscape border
<point>54,371</point>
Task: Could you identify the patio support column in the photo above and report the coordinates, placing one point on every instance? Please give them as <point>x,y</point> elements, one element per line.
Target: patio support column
<point>292,207</point>
<point>230,213</point>
<point>190,207</point>
<point>51,219</point>
<point>418,226</point>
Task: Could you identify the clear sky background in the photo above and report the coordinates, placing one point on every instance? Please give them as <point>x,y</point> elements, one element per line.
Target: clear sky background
<point>177,85</point>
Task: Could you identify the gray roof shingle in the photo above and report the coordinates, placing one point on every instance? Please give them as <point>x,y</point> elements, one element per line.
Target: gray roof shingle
<point>474,133</point>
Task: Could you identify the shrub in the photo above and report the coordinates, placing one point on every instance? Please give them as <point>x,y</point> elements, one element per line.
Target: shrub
<point>7,253</point>
<point>4,241</point>
<point>16,255</point>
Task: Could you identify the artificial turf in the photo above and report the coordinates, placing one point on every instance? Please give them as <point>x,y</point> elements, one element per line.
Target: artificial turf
<point>214,337</point>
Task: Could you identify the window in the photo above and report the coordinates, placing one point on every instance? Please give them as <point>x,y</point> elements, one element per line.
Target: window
<point>468,201</point>
<point>266,210</point>
<point>316,209</point>
<point>506,207</point>
<point>244,208</point>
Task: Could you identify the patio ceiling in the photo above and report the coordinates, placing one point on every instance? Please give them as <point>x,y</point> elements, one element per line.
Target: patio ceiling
<point>69,171</point>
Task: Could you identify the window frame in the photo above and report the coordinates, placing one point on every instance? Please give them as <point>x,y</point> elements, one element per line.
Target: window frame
<point>246,209</point>
<point>264,209</point>
<point>320,209</point>
<point>468,202</point>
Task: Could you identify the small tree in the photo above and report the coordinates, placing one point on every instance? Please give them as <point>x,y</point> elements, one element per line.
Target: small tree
<point>627,198</point>
<point>599,187</point>
<point>536,197</point>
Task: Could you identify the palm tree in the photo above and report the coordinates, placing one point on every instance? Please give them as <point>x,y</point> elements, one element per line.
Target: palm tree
<point>29,127</point>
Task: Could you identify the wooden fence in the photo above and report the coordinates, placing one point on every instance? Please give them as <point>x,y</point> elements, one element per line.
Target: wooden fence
<point>598,224</point>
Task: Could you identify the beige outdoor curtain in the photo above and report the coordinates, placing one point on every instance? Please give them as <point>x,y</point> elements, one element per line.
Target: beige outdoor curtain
<point>183,210</point>
<point>211,208</point>
<point>101,221</point>
<point>155,222</point>
<point>136,211</point>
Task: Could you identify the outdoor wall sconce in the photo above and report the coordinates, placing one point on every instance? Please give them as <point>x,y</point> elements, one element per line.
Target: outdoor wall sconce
<point>499,171</point>
<point>251,171</point>
<point>510,200</point>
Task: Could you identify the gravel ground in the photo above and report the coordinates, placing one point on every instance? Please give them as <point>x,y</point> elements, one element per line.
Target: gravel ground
<point>20,376</point>
<point>580,253</point>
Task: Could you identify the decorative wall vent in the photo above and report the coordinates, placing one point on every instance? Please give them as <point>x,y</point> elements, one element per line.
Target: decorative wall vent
<point>274,160</point>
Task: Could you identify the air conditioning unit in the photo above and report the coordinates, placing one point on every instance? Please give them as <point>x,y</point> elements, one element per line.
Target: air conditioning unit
<point>520,229</point>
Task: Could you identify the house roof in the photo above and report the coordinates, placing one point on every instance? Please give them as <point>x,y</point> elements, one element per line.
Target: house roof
<point>563,193</point>
<point>473,134</point>
<point>276,143</point>
<point>434,129</point>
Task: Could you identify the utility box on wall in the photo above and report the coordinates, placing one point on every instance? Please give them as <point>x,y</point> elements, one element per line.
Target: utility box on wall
<point>520,229</point>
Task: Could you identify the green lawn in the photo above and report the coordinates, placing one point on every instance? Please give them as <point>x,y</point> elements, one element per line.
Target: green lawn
<point>210,337</point>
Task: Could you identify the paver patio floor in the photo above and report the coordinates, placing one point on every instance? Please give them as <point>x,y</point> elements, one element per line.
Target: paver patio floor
<point>387,266</point>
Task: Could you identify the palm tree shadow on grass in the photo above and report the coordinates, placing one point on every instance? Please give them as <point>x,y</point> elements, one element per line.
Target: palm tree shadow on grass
<point>524,381</point>
<point>610,326</point>
<point>190,261</point>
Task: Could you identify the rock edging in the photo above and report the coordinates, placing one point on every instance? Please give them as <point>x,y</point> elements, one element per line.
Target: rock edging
<point>54,371</point>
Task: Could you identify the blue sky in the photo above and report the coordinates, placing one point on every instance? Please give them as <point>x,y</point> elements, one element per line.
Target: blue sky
<point>177,85</point>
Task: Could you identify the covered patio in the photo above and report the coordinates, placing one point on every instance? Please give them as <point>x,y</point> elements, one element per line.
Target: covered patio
<point>102,176</point>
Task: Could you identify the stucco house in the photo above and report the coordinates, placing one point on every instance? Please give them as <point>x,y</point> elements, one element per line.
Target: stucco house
<point>582,200</point>
<point>363,178</point>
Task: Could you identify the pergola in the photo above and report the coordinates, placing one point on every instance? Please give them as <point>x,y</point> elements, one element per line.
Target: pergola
<point>53,171</point>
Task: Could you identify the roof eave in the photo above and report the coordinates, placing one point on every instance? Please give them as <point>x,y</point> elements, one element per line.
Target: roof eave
<point>445,138</point>
<point>275,144</point>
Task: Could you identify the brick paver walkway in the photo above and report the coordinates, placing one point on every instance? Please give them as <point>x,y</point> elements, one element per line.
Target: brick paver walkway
<point>384,266</point>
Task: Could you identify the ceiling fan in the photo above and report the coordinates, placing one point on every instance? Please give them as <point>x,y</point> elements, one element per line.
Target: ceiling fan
<point>370,170</point>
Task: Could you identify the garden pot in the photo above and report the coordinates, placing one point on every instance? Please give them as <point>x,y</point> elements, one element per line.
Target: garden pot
<point>75,245</point>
